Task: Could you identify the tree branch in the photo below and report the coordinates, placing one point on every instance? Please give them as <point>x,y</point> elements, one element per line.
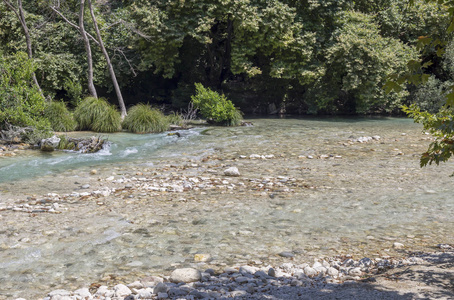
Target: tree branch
<point>130,27</point>
<point>131,68</point>
<point>72,24</point>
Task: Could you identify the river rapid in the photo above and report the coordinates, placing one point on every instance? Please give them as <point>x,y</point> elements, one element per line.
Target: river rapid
<point>309,188</point>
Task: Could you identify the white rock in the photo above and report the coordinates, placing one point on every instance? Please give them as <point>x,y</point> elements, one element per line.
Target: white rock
<point>144,294</point>
<point>248,270</point>
<point>232,171</point>
<point>121,290</point>
<point>59,293</point>
<point>333,272</point>
<point>110,178</point>
<point>136,284</point>
<point>185,275</point>
<point>355,272</point>
<point>84,293</point>
<point>398,245</point>
<point>310,271</point>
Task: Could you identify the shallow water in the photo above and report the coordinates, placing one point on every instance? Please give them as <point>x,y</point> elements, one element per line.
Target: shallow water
<point>359,204</point>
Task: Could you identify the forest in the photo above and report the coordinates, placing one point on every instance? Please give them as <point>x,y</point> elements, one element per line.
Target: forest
<point>324,57</point>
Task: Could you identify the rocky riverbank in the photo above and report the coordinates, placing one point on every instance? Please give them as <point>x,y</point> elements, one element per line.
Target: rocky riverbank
<point>335,278</point>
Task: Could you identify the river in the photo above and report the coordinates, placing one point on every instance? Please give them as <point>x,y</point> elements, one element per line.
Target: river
<point>315,192</point>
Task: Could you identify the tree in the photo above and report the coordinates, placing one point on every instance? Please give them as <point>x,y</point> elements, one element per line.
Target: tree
<point>21,103</point>
<point>357,65</point>
<point>99,41</point>
<point>441,123</point>
<point>109,63</point>
<point>19,12</point>
<point>83,33</point>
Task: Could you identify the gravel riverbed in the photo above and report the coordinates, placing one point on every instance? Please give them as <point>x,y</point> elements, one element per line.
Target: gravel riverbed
<point>265,221</point>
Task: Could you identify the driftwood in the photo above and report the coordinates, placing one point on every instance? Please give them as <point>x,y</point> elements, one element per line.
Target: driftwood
<point>15,134</point>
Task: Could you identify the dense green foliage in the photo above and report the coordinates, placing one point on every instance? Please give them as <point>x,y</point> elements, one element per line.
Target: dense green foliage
<point>305,57</point>
<point>59,117</point>
<point>142,118</point>
<point>441,126</point>
<point>98,115</point>
<point>435,97</point>
<point>216,108</point>
<point>21,103</point>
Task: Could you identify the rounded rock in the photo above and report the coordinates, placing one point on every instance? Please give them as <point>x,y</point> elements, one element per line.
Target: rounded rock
<point>185,275</point>
<point>310,271</point>
<point>160,288</point>
<point>398,245</point>
<point>232,171</point>
<point>333,272</point>
<point>122,290</point>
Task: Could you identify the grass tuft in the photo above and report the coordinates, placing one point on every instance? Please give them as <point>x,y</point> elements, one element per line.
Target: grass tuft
<point>59,117</point>
<point>98,115</point>
<point>175,119</point>
<point>142,118</point>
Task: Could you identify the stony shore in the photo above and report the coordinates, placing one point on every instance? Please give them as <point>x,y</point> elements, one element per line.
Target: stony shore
<point>423,276</point>
<point>267,177</point>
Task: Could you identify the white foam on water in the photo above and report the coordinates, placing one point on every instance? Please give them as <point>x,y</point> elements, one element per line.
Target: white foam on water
<point>129,151</point>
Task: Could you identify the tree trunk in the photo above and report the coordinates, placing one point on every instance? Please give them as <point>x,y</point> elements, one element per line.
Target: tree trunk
<point>109,64</point>
<point>20,14</point>
<point>91,86</point>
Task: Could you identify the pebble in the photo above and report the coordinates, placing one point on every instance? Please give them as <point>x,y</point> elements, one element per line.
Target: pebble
<point>186,283</point>
<point>310,271</point>
<point>333,272</point>
<point>163,296</point>
<point>121,290</point>
<point>185,275</point>
<point>232,171</point>
<point>287,254</point>
<point>398,245</point>
<point>160,288</point>
<point>85,186</point>
<point>202,257</point>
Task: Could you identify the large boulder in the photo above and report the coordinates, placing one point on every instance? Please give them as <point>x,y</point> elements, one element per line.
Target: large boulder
<point>50,144</point>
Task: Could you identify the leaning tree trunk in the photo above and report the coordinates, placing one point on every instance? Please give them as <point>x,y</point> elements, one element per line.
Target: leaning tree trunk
<point>109,63</point>
<point>91,86</point>
<point>20,15</point>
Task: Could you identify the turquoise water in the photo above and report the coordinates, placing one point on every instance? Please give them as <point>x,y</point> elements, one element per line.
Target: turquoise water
<point>360,204</point>
<point>122,148</point>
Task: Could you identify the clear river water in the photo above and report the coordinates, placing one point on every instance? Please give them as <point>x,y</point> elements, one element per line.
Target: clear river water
<point>316,192</point>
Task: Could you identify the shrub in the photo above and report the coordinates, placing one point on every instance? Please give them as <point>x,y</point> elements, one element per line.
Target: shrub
<point>59,117</point>
<point>432,95</point>
<point>142,118</point>
<point>98,115</point>
<point>109,121</point>
<point>216,108</point>
<point>21,103</point>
